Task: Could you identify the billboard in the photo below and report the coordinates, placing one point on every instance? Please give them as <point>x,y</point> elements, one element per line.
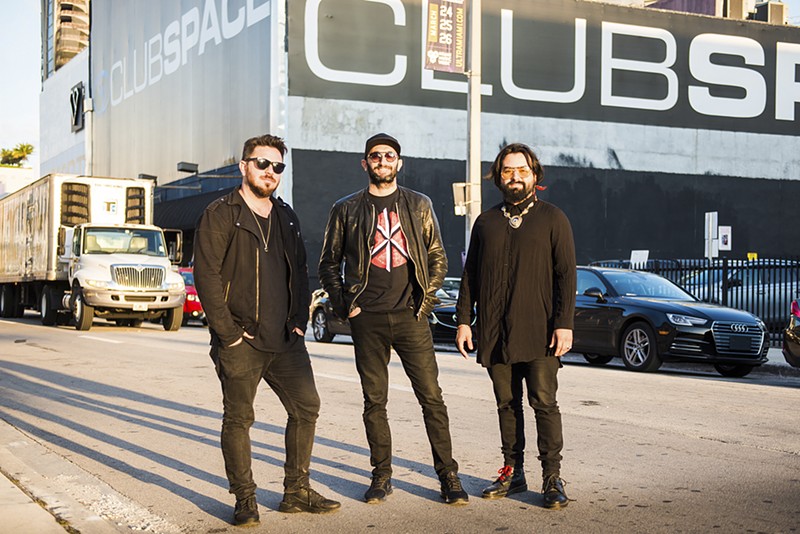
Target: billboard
<point>188,80</point>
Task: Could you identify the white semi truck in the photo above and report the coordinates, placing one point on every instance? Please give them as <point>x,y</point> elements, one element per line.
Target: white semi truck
<point>82,247</point>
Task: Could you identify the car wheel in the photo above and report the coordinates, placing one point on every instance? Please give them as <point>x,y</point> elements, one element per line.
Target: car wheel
<point>638,348</point>
<point>733,370</point>
<point>7,301</point>
<point>597,359</point>
<point>319,326</point>
<point>83,313</point>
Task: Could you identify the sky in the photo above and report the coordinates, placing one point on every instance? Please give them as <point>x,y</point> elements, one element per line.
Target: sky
<point>20,82</point>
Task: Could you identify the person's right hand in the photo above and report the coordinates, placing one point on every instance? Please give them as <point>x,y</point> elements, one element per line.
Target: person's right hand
<point>355,312</point>
<point>237,342</point>
<point>464,336</point>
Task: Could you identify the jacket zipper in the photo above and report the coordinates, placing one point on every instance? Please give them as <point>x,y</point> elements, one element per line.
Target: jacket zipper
<point>258,289</point>
<point>416,268</point>
<point>369,256</point>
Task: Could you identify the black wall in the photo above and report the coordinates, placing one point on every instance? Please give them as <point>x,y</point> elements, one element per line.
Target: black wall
<point>612,211</point>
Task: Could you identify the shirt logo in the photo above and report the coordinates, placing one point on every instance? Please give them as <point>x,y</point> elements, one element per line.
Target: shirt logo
<point>390,249</point>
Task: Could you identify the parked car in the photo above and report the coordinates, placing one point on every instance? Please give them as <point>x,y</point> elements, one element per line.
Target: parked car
<point>325,324</point>
<point>192,308</point>
<point>791,337</point>
<point>646,319</point>
<point>762,287</point>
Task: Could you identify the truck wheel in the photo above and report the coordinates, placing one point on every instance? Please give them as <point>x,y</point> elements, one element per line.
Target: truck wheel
<point>48,311</point>
<point>84,314</point>
<point>173,318</point>
<point>7,303</point>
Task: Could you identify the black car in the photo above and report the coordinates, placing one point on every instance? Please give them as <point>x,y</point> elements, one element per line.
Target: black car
<point>791,337</point>
<point>646,320</point>
<point>325,324</point>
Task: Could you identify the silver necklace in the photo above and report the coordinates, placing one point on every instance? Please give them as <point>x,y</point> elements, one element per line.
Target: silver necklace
<point>515,221</point>
<point>260,230</point>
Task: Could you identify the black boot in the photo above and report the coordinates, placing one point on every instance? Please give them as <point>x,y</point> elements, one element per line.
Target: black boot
<point>246,512</point>
<point>307,500</point>
<point>510,481</point>
<point>380,488</point>
<point>553,492</point>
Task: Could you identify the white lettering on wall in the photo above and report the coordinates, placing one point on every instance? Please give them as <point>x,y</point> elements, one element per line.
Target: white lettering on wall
<point>787,87</point>
<point>609,64</point>
<point>344,76</point>
<point>701,50</point>
<point>166,52</point>
<point>507,65</point>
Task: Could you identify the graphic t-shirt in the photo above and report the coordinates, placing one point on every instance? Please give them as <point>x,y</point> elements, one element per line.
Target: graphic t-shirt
<point>388,283</point>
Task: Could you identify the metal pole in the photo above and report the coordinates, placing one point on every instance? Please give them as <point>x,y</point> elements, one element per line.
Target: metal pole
<point>474,114</point>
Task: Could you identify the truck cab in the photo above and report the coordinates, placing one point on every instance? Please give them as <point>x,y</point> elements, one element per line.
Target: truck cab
<point>122,273</point>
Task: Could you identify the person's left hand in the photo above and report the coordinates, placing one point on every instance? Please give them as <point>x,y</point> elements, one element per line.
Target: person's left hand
<point>562,341</point>
<point>299,332</point>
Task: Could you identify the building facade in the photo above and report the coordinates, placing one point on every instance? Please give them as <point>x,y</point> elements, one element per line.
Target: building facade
<point>645,119</point>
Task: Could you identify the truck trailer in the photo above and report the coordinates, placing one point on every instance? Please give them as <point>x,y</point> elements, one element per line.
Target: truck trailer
<point>79,247</point>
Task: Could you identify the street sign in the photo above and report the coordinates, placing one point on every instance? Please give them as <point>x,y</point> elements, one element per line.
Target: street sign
<point>445,38</point>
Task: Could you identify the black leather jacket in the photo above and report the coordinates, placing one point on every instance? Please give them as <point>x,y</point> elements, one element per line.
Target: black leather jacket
<point>226,268</point>
<point>348,239</point>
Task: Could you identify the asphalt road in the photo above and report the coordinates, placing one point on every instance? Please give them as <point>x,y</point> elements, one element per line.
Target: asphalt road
<point>117,429</point>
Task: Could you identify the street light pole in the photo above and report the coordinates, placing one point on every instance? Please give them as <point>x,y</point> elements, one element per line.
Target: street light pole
<point>474,122</point>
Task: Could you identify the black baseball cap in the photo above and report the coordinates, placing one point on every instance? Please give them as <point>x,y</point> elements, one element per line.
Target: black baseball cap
<point>381,139</point>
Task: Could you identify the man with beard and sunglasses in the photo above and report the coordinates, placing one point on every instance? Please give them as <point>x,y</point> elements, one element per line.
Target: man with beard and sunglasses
<point>520,272</point>
<point>251,274</point>
<point>387,237</point>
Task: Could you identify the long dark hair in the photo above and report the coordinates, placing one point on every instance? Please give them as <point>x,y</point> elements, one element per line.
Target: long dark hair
<point>516,148</point>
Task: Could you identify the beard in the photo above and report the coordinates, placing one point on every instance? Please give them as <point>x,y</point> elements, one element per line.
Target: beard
<point>259,188</point>
<point>515,196</point>
<point>376,179</point>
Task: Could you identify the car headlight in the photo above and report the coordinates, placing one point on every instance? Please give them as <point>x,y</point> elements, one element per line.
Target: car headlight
<point>191,298</point>
<point>685,320</point>
<point>99,284</point>
<point>175,285</point>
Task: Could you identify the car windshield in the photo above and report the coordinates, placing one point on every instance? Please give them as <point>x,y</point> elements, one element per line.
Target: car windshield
<point>638,284</point>
<point>188,278</point>
<point>700,278</point>
<point>124,241</point>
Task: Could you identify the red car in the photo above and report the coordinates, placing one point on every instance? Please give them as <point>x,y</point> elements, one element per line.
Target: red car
<point>192,309</point>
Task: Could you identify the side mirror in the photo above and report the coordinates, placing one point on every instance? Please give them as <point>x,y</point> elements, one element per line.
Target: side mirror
<point>595,292</point>
<point>62,239</point>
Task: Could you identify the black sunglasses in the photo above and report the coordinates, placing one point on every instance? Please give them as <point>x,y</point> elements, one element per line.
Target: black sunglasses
<point>375,157</point>
<point>263,163</point>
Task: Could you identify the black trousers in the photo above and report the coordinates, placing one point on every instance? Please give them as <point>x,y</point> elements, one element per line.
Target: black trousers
<point>374,335</point>
<point>289,375</point>
<point>542,383</point>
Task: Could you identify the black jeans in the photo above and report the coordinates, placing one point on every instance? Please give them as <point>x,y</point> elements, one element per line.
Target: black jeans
<point>542,383</point>
<point>288,374</point>
<point>374,335</point>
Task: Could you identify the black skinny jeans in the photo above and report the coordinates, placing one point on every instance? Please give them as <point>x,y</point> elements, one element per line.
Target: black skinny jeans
<point>289,375</point>
<point>540,377</point>
<point>374,335</point>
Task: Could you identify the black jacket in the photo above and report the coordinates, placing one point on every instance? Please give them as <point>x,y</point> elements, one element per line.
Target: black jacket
<point>348,239</point>
<point>227,270</point>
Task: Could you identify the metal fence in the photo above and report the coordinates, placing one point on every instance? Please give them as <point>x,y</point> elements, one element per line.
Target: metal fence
<point>764,287</point>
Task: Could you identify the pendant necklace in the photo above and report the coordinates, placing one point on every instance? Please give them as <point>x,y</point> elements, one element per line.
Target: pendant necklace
<point>260,230</point>
<point>515,221</point>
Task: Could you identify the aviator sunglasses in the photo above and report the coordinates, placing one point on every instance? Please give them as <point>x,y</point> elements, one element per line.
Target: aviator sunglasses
<point>375,157</point>
<point>264,163</point>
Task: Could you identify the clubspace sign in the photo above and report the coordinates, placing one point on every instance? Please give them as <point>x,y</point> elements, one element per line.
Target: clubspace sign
<point>559,58</point>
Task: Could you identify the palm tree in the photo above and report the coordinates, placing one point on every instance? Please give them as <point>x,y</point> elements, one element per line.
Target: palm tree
<point>21,152</point>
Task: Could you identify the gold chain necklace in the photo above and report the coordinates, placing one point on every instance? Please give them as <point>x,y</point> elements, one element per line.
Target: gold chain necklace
<point>260,230</point>
<point>515,221</point>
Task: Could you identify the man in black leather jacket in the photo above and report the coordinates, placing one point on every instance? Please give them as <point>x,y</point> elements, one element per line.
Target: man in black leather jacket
<point>388,239</point>
<point>251,274</point>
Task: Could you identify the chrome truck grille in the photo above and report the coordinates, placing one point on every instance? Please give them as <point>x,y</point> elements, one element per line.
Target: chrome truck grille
<point>138,276</point>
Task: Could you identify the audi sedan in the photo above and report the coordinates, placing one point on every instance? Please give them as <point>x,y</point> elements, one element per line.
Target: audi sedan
<point>646,320</point>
